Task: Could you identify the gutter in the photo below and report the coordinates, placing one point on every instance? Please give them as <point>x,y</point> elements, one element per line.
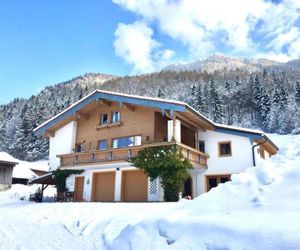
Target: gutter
<point>254,146</point>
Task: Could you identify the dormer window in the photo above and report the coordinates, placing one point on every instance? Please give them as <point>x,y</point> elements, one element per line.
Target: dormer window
<point>116,117</point>
<point>104,119</point>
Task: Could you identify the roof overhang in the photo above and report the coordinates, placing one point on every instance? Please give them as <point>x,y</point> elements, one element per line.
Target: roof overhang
<point>11,163</point>
<point>253,135</point>
<point>47,178</point>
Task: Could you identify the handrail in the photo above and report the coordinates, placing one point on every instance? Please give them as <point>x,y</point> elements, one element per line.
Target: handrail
<point>155,144</point>
<point>111,154</point>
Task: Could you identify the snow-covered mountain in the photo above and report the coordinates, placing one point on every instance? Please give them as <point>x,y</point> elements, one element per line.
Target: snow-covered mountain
<point>219,62</point>
<point>243,97</point>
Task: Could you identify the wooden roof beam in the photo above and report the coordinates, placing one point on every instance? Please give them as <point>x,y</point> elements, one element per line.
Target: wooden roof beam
<point>128,107</point>
<point>104,102</point>
<point>188,123</point>
<point>81,116</point>
<point>49,133</point>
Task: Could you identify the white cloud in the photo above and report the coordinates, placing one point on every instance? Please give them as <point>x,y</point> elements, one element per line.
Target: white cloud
<point>135,44</point>
<point>205,26</point>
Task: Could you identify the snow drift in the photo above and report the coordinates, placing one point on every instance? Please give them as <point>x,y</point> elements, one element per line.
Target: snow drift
<point>258,209</point>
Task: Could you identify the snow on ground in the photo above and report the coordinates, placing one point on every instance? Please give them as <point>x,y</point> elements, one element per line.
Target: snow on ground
<point>258,209</point>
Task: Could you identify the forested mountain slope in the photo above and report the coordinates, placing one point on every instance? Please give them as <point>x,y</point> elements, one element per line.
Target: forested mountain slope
<point>266,96</point>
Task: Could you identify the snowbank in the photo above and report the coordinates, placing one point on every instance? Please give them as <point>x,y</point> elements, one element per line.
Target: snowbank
<point>258,209</point>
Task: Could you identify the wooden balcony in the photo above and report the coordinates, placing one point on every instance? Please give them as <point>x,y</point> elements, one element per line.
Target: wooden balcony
<point>196,157</point>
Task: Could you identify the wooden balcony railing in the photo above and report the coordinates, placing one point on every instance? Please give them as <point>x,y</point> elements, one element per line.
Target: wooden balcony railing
<point>123,154</point>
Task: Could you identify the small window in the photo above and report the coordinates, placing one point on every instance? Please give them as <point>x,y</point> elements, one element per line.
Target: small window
<point>102,145</point>
<point>215,180</point>
<point>116,117</point>
<point>212,182</point>
<point>202,146</point>
<point>127,141</point>
<point>224,148</point>
<point>104,119</point>
<point>79,147</point>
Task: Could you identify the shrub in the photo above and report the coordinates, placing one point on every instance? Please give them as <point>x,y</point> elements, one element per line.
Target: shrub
<point>167,163</point>
<point>61,176</point>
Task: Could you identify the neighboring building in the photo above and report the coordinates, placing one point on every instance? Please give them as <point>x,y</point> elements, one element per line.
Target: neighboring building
<point>7,163</point>
<point>102,131</point>
<point>26,171</point>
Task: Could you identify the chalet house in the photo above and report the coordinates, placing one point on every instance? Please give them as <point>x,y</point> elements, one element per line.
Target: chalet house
<point>99,133</point>
<point>7,163</point>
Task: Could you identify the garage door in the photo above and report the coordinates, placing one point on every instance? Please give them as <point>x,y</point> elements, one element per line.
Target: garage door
<point>104,186</point>
<point>134,186</point>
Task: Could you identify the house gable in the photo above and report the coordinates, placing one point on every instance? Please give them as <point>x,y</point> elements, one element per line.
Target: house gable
<point>164,106</point>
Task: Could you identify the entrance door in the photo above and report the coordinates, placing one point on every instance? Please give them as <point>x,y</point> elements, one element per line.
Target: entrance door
<point>134,186</point>
<point>104,186</point>
<point>188,188</point>
<point>78,193</point>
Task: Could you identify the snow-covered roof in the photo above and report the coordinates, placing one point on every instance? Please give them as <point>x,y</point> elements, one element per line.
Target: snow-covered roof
<point>254,131</point>
<point>7,158</point>
<point>23,169</point>
<point>247,131</point>
<point>23,172</point>
<point>154,102</point>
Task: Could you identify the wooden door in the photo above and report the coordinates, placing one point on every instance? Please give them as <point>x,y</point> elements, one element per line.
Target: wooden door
<point>104,186</point>
<point>134,186</point>
<point>79,184</point>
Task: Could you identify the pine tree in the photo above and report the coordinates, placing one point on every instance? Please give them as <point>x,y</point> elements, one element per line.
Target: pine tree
<point>281,120</point>
<point>199,100</point>
<point>265,107</point>
<point>297,93</point>
<point>161,94</point>
<point>257,95</point>
<point>216,103</point>
<point>227,86</point>
<point>206,93</point>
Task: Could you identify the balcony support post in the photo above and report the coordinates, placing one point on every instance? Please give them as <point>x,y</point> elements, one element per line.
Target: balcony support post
<point>197,139</point>
<point>174,126</point>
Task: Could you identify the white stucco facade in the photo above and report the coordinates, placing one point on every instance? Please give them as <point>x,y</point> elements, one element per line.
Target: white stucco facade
<point>239,160</point>
<point>63,142</point>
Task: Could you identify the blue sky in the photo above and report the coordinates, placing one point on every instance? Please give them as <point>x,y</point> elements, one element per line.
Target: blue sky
<point>47,42</point>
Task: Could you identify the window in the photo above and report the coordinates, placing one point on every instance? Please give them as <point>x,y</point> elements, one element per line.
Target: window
<point>79,147</point>
<point>104,119</point>
<point>215,180</point>
<point>116,117</point>
<point>202,146</point>
<point>127,141</point>
<point>102,145</point>
<point>224,148</point>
